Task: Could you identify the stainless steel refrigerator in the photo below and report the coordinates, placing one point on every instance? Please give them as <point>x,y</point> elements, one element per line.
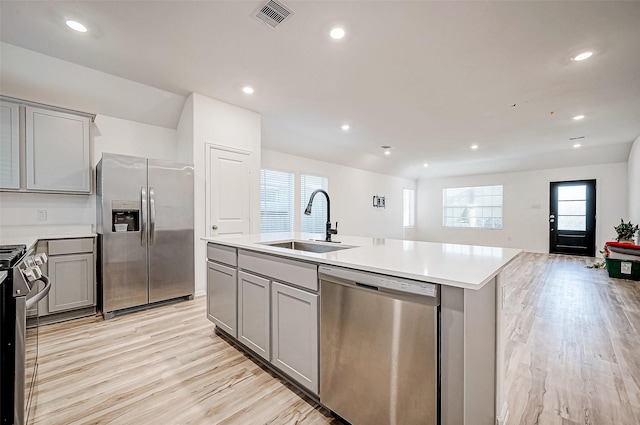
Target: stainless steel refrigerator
<point>145,232</point>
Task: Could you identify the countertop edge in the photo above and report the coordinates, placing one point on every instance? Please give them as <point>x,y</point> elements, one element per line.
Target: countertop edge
<point>319,259</point>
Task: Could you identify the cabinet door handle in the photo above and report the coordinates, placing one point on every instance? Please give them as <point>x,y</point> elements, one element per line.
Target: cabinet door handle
<point>214,227</point>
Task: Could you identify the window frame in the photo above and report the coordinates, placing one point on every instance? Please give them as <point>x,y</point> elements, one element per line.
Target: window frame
<point>318,204</point>
<point>292,203</point>
<point>298,203</point>
<point>488,205</point>
<point>412,217</point>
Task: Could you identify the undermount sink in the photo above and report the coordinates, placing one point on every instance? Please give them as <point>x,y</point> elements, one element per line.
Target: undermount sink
<point>307,246</point>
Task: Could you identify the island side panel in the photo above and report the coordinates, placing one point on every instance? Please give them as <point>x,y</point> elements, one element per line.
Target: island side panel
<point>480,355</point>
<point>451,355</point>
<point>502,409</point>
<point>469,322</point>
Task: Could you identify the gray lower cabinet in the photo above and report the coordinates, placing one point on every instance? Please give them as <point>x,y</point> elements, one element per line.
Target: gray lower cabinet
<point>253,313</point>
<point>294,317</point>
<point>71,269</point>
<point>72,284</point>
<point>275,302</point>
<point>222,297</point>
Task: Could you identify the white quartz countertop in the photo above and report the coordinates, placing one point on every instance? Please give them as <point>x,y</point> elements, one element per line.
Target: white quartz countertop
<point>463,266</point>
<point>29,235</point>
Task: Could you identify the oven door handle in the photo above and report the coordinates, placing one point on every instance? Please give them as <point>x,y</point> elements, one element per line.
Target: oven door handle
<point>31,302</point>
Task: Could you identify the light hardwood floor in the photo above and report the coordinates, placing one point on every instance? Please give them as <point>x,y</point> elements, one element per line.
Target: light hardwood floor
<point>573,343</point>
<point>160,366</point>
<point>572,357</point>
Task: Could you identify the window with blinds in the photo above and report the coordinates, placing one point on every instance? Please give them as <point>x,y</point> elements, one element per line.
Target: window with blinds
<point>317,221</point>
<point>276,201</point>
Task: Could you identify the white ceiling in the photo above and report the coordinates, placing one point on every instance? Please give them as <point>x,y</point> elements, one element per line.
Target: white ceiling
<point>428,78</point>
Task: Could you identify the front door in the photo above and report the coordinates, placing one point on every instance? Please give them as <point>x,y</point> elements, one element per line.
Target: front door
<point>572,217</point>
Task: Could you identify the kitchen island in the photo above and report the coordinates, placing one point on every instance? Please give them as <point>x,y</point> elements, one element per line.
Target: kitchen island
<point>469,319</point>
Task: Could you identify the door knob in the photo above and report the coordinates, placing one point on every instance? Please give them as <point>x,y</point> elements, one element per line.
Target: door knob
<point>214,227</point>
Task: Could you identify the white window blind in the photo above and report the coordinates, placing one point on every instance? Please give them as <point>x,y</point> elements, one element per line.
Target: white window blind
<point>317,221</point>
<point>276,201</point>
<point>409,208</point>
<point>479,207</point>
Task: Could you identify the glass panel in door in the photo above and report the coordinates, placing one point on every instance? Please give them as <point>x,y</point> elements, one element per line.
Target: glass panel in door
<point>572,207</point>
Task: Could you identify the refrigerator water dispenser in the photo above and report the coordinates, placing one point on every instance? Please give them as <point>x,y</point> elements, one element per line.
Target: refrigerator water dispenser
<point>125,213</point>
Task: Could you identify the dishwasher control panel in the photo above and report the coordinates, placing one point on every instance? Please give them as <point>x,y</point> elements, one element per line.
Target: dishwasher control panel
<point>420,288</point>
<point>382,281</point>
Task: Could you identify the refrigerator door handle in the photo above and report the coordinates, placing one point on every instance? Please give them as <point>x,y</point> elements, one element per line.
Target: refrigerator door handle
<point>143,211</point>
<point>152,216</point>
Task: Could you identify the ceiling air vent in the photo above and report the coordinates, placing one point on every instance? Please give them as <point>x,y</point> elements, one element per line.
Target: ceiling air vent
<point>273,13</point>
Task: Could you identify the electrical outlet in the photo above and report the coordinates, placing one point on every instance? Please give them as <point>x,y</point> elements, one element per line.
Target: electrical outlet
<point>42,215</point>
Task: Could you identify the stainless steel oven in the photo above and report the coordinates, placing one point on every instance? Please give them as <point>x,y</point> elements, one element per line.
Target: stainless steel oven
<point>23,287</point>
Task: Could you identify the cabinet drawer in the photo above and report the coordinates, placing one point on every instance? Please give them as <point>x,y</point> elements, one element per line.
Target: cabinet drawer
<point>222,254</point>
<point>295,272</point>
<point>70,246</point>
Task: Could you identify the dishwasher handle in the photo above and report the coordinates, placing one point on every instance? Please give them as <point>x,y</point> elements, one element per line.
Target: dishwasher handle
<point>370,287</point>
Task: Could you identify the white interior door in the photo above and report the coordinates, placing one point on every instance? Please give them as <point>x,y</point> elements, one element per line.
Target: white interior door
<point>228,191</point>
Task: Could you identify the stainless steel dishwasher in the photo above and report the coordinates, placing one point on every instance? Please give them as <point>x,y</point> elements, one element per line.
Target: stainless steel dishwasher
<point>378,347</point>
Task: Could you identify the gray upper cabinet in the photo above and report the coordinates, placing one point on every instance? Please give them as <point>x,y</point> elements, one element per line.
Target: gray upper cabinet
<point>9,146</point>
<point>57,151</point>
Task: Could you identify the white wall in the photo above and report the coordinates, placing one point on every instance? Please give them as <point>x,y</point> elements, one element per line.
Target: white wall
<point>634,182</point>
<point>29,75</point>
<point>124,137</point>
<point>217,123</point>
<point>526,206</point>
<point>108,134</point>
<point>351,191</point>
<point>185,132</point>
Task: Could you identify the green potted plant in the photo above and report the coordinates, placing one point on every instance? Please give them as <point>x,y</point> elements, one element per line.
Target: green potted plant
<point>626,231</point>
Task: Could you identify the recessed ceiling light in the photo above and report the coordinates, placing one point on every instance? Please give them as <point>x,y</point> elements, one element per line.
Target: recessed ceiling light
<point>337,33</point>
<point>345,127</point>
<point>576,145</point>
<point>582,56</point>
<point>578,117</point>
<point>247,90</point>
<point>425,165</point>
<point>387,152</point>
<point>76,26</point>
<point>474,147</point>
